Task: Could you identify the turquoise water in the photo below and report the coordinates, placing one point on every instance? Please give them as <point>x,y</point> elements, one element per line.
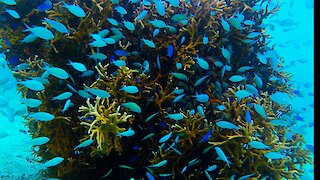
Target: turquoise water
<point>291,31</point>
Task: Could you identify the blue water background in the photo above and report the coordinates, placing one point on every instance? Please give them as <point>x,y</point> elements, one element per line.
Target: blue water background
<point>294,43</point>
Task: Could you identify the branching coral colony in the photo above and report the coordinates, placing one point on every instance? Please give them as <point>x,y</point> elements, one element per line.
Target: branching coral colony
<point>105,125</point>
<point>176,89</point>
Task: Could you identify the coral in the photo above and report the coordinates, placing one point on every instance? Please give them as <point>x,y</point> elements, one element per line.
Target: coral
<point>105,125</point>
<point>150,70</point>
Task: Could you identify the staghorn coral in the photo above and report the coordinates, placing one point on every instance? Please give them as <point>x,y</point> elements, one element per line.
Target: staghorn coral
<point>103,119</point>
<point>105,125</point>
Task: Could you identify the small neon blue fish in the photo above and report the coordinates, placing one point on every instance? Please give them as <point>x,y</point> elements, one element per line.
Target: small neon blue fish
<point>178,91</point>
<point>280,98</point>
<point>244,68</point>
<point>155,32</point>
<point>98,92</point>
<point>252,89</point>
<point>237,78</point>
<point>180,76</point>
<point>207,174</point>
<point>200,110</point>
<point>12,13</point>
<point>29,38</point>
<point>202,63</point>
<point>32,84</point>
<point>74,9</point>
<point>149,176</point>
<point>212,168</point>
<point>53,162</point>
<point>242,94</point>
<point>221,107</point>
<point>203,98</point>
<point>257,81</point>
<point>200,80</point>
<point>170,51</point>
<point>207,136</point>
<point>129,25</point>
<point>205,40</point>
<point>97,56</point>
<point>149,43</point>
<point>158,23</point>
<point>165,138</point>
<point>109,40</point>
<point>182,40</point>
<point>98,44</point>
<point>279,122</point>
<point>126,133</point>
<point>113,21</point>
<point>248,117</point>
<point>235,22</point>
<point>39,141</point>
<point>84,94</point>
<point>178,98</point>
<point>246,176</point>
<point>160,164</point>
<point>119,63</point>
<point>130,89</point>
<point>274,155</point>
<point>30,102</point>
<point>177,116</point>
<point>160,7</point>
<point>222,156</point>
<point>260,110</point>
<point>158,62</point>
<point>66,105</point>
<point>249,22</point>
<point>258,145</point>
<point>120,52</point>
<point>45,6</point>
<point>262,58</point>
<point>174,3</point>
<point>151,116</point>
<point>103,33</point>
<point>78,66</point>
<point>121,10</point>
<point>40,32</point>
<point>132,106</point>
<point>141,15</point>
<point>85,143</point>
<point>41,116</point>
<point>148,136</point>
<point>225,53</point>
<point>225,25</point>
<point>227,125</point>
<point>9,2</point>
<point>179,17</point>
<point>56,25</point>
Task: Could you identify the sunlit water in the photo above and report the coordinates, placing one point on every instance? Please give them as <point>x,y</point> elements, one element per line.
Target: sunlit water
<point>294,43</point>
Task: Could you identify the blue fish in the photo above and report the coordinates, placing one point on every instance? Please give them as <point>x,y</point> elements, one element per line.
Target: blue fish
<point>112,58</point>
<point>297,117</point>
<point>14,60</point>
<point>203,98</point>
<point>310,147</point>
<point>248,117</point>
<point>45,6</point>
<point>155,32</point>
<point>120,52</point>
<point>170,51</point>
<point>207,136</point>
<point>149,176</point>
<point>126,133</point>
<point>165,138</point>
